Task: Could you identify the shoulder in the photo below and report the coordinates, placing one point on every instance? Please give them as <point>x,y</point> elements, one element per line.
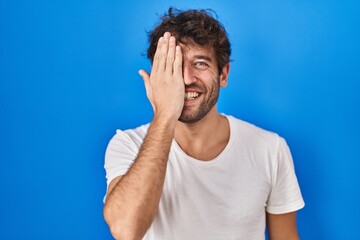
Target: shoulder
<point>136,134</point>
<point>253,135</point>
<point>133,137</point>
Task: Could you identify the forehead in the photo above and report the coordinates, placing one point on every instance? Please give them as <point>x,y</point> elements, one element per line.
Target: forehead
<point>193,50</point>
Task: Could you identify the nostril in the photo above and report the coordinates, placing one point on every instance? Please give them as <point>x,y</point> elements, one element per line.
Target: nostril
<point>189,81</point>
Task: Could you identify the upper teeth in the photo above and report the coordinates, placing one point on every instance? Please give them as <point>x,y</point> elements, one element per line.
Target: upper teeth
<point>191,95</point>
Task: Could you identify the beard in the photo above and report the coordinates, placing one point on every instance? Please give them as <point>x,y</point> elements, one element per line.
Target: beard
<point>189,115</point>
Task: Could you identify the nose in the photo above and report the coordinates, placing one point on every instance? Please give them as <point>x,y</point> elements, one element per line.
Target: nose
<point>189,76</point>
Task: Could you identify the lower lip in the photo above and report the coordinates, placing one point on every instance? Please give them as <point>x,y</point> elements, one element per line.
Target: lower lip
<point>191,101</point>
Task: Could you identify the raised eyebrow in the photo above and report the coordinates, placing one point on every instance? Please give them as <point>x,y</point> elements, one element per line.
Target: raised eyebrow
<point>203,57</point>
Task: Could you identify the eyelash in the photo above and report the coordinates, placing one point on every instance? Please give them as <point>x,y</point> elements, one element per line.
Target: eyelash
<point>201,64</point>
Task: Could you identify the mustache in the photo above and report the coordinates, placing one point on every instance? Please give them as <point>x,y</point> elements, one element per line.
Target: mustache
<point>195,86</point>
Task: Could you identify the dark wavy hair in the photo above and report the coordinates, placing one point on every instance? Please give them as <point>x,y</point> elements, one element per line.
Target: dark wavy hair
<point>193,26</point>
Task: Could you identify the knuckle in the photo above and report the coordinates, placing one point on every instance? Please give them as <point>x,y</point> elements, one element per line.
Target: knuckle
<point>156,57</point>
<point>170,58</point>
<point>162,55</point>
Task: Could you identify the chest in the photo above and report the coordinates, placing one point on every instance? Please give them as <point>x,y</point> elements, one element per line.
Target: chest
<point>217,188</point>
<point>231,196</point>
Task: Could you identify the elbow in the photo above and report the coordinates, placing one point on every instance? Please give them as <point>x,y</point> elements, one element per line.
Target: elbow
<point>116,233</point>
<point>120,233</point>
<point>112,222</point>
<point>118,228</point>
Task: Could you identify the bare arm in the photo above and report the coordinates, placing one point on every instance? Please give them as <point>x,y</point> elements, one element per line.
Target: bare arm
<point>282,226</point>
<point>132,203</point>
<point>132,200</point>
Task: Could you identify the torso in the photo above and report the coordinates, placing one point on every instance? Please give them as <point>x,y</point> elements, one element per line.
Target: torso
<point>224,198</point>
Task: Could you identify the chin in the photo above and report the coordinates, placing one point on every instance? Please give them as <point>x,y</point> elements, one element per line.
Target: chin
<point>188,121</point>
<point>191,118</point>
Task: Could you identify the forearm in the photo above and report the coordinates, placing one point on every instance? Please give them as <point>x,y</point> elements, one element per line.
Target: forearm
<point>282,226</point>
<point>132,204</point>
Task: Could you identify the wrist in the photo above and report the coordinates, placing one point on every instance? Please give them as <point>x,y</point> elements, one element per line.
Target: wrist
<point>165,122</point>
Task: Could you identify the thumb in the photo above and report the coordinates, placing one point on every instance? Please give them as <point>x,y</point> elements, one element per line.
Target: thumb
<point>144,75</point>
<point>146,78</point>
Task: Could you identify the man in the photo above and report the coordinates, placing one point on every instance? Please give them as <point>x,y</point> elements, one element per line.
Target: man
<point>193,173</point>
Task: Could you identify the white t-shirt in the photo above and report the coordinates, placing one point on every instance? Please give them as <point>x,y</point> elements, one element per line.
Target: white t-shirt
<point>225,198</point>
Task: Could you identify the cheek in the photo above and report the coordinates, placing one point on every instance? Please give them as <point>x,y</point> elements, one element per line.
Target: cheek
<point>213,87</point>
<point>205,75</point>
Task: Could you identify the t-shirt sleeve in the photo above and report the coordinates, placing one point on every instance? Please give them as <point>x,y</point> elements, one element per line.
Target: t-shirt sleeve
<point>119,156</point>
<point>285,195</point>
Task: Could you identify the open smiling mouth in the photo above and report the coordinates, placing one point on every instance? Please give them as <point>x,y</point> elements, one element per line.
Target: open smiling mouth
<point>191,95</point>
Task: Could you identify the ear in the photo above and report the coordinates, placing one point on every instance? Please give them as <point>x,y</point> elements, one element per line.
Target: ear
<point>224,75</point>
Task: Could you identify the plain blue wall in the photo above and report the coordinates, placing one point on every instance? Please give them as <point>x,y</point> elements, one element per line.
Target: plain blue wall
<point>68,72</point>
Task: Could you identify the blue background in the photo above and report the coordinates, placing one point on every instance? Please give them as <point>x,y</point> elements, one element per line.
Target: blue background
<point>68,72</point>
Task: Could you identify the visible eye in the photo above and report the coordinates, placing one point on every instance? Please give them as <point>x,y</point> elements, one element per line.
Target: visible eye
<point>201,65</point>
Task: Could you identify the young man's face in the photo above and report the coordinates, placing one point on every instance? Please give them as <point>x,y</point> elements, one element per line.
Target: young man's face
<point>202,82</point>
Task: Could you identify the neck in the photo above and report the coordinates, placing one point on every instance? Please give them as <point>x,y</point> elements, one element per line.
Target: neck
<point>204,139</point>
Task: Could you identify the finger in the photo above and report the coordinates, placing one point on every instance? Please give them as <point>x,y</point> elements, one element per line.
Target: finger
<point>145,76</point>
<point>170,56</point>
<point>163,51</point>
<point>155,64</point>
<point>178,62</point>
